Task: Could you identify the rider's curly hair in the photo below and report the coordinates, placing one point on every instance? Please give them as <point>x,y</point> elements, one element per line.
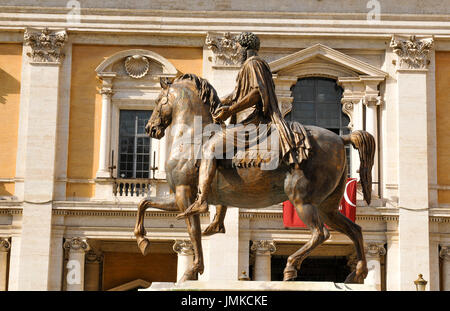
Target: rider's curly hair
<point>248,40</point>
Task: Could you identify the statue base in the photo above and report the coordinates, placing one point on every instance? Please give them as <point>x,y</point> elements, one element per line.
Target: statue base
<point>257,286</point>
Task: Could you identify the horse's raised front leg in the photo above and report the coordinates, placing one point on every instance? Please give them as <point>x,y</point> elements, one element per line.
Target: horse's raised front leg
<point>184,196</point>
<point>164,203</point>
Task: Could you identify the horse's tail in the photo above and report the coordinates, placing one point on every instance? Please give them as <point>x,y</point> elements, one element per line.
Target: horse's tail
<point>365,144</point>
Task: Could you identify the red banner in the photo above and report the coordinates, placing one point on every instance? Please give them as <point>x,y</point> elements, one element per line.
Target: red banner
<point>347,207</point>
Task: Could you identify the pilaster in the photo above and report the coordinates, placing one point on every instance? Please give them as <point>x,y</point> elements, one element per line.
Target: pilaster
<point>45,51</point>
<point>414,237</point>
<point>77,248</point>
<point>5,246</point>
<point>262,250</point>
<point>185,252</point>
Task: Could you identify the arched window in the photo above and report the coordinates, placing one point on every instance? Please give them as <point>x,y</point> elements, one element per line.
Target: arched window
<point>317,101</point>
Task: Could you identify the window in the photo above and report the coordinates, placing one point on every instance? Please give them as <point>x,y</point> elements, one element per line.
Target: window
<point>317,101</point>
<point>134,144</point>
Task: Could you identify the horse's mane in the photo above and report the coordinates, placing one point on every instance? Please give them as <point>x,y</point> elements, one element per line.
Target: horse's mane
<point>205,90</point>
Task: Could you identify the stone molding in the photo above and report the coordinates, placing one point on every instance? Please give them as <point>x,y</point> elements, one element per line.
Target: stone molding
<point>413,53</point>
<point>263,247</point>
<point>76,244</point>
<point>5,245</point>
<point>444,253</point>
<point>374,249</point>
<point>46,45</point>
<point>183,247</point>
<point>225,49</point>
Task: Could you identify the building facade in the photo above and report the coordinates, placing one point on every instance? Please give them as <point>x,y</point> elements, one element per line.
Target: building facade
<point>79,80</point>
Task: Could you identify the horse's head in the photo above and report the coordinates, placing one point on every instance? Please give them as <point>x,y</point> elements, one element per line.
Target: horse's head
<point>189,96</point>
<point>162,115</point>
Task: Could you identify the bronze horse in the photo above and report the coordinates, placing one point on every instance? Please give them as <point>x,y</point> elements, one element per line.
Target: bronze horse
<point>315,189</point>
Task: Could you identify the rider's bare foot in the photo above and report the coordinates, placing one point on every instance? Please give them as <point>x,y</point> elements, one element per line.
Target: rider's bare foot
<point>213,228</point>
<point>196,208</point>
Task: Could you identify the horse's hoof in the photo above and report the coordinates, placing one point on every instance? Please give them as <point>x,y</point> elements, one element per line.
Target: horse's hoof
<point>352,278</point>
<point>143,245</point>
<point>188,276</point>
<point>289,273</point>
<point>214,228</point>
<point>181,216</point>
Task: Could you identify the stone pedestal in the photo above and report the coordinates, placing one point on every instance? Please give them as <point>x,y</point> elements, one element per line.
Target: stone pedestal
<point>4,249</point>
<point>77,249</point>
<point>223,250</point>
<point>256,286</point>
<point>262,251</point>
<point>185,252</point>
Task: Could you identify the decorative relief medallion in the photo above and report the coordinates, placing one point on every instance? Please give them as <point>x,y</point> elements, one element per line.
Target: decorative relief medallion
<point>225,49</point>
<point>46,46</point>
<point>413,53</point>
<point>137,66</point>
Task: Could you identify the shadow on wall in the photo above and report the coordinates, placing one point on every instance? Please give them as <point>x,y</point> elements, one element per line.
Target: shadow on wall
<point>4,193</point>
<point>9,86</point>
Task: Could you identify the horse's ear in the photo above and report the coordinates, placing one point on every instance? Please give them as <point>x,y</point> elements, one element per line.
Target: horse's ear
<point>165,82</point>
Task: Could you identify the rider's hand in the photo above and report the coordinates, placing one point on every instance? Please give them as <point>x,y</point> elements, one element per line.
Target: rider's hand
<point>222,114</point>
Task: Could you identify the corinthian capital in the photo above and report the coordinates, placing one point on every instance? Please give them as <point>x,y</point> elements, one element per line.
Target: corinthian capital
<point>225,48</point>
<point>413,53</point>
<point>374,249</point>
<point>76,244</point>
<point>444,253</point>
<point>46,45</point>
<point>263,247</point>
<point>5,245</point>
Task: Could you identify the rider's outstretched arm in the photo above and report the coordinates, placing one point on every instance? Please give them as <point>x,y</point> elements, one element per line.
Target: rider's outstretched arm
<point>249,100</point>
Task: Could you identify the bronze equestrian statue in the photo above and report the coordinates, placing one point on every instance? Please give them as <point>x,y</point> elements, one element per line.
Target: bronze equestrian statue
<point>312,177</point>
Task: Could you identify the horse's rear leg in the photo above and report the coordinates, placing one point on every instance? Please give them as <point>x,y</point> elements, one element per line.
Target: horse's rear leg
<point>165,203</point>
<point>344,225</point>
<point>329,212</point>
<point>310,216</point>
<point>184,198</point>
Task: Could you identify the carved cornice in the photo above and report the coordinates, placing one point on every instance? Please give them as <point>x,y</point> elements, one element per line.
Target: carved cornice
<point>225,49</point>
<point>263,247</point>
<point>76,244</point>
<point>413,53</point>
<point>374,249</point>
<point>183,247</point>
<point>46,45</point>
<point>5,245</point>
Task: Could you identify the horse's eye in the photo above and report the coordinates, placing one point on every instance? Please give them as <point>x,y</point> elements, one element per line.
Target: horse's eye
<point>163,100</point>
